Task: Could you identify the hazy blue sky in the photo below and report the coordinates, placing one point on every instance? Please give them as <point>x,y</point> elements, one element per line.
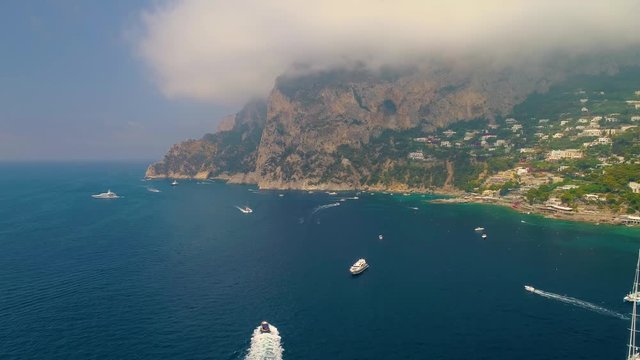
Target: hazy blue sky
<point>71,86</point>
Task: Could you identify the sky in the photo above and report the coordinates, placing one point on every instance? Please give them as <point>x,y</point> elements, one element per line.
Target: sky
<point>125,79</point>
<point>72,86</point>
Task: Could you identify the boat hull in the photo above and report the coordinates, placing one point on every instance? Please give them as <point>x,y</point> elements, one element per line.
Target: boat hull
<point>359,270</point>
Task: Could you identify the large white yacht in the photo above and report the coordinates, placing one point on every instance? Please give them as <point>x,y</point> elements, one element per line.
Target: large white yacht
<point>360,266</point>
<point>107,195</point>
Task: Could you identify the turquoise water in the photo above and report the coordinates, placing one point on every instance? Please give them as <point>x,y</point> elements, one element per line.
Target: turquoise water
<point>182,274</point>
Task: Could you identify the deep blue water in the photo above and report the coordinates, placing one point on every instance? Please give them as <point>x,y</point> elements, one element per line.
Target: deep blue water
<point>182,274</point>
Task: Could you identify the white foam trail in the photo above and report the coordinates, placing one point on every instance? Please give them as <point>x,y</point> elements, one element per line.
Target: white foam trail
<point>265,346</point>
<point>580,303</point>
<point>322,207</point>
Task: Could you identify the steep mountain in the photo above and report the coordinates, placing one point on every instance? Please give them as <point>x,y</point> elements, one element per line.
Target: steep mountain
<point>230,151</point>
<point>335,128</point>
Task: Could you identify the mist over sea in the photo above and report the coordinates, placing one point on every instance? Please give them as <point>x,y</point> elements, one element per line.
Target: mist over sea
<point>182,274</point>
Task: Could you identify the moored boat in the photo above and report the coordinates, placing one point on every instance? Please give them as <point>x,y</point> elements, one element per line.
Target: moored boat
<point>108,195</point>
<point>359,266</point>
<point>174,183</point>
<point>479,228</point>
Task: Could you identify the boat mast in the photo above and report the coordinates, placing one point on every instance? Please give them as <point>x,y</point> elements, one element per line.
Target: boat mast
<point>633,350</point>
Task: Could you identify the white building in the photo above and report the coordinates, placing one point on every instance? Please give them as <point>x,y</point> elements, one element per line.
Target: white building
<point>418,155</point>
<point>590,132</point>
<point>635,187</point>
<point>635,118</point>
<point>558,135</point>
<point>564,122</point>
<point>565,154</point>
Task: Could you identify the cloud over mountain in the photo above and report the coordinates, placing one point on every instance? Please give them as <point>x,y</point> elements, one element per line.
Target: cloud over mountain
<point>228,51</point>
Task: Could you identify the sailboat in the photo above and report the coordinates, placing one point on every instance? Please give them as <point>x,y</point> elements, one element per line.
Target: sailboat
<point>633,353</point>
<point>634,295</point>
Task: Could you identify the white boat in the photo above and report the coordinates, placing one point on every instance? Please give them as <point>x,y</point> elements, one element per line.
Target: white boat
<point>174,183</point>
<point>264,327</point>
<point>634,295</point>
<point>245,209</point>
<point>529,288</point>
<point>108,195</point>
<point>484,236</point>
<point>360,266</point>
<point>154,190</point>
<point>332,193</point>
<point>634,353</point>
<point>265,343</point>
<point>380,237</point>
<point>478,229</point>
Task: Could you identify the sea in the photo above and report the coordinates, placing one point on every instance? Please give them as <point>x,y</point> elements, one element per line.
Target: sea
<point>183,274</point>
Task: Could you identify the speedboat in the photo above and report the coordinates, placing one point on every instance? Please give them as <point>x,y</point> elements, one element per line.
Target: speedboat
<point>380,237</point>
<point>484,236</point>
<point>529,288</point>
<point>478,229</point>
<point>174,183</point>
<point>360,266</point>
<point>245,209</point>
<point>108,195</point>
<point>264,327</point>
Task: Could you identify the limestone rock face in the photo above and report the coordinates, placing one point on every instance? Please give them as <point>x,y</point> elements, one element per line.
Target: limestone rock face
<point>231,150</point>
<point>310,117</point>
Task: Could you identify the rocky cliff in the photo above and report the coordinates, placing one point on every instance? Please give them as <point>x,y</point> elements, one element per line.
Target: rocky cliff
<point>232,151</point>
<point>334,129</point>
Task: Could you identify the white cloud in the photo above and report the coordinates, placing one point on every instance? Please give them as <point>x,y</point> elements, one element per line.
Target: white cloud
<point>227,51</point>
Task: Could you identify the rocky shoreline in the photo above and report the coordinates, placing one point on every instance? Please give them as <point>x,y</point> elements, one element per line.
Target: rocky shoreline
<point>454,196</point>
<point>602,216</point>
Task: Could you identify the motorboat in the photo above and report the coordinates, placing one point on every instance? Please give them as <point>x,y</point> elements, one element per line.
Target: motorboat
<point>478,229</point>
<point>484,236</point>
<point>154,190</point>
<point>359,266</point>
<point>332,193</point>
<point>245,209</point>
<point>108,195</point>
<point>529,288</point>
<point>380,237</point>
<point>264,327</point>
<point>174,183</point>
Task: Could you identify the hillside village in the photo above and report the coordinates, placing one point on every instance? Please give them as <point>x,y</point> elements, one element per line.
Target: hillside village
<point>581,162</point>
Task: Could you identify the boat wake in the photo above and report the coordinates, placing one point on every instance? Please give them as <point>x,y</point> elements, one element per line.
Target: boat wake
<point>323,207</point>
<point>580,303</point>
<point>265,346</point>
